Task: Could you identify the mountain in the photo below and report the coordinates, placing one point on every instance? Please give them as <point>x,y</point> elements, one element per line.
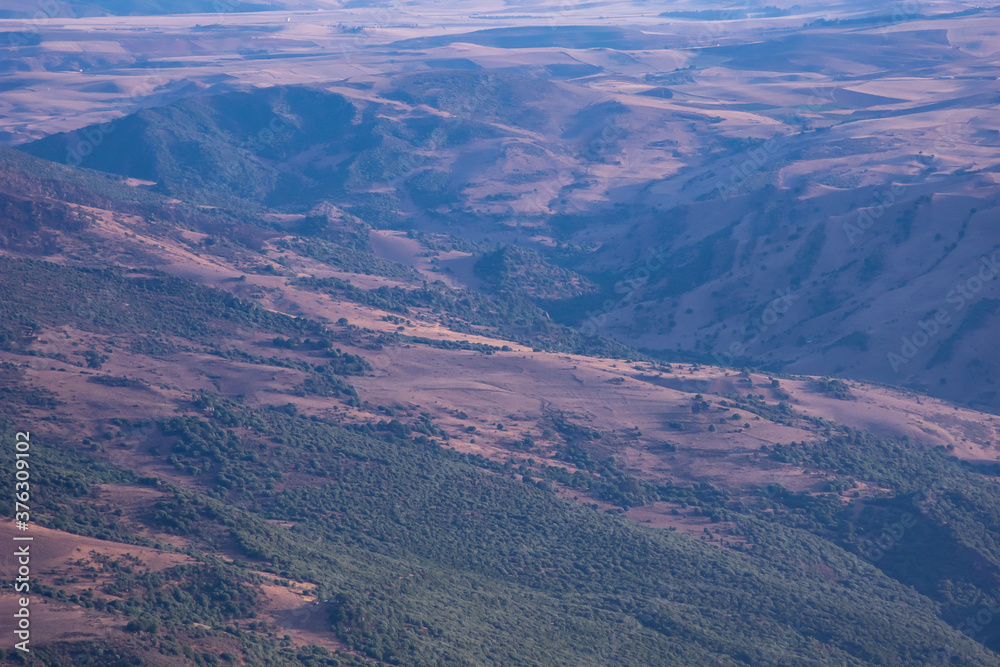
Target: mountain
<point>247,423</point>
<point>522,338</point>
<point>790,276</point>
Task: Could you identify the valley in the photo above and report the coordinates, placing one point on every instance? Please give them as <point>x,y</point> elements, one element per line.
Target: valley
<point>504,333</point>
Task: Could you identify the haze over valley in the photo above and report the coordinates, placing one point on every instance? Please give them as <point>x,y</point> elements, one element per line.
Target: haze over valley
<point>503,333</point>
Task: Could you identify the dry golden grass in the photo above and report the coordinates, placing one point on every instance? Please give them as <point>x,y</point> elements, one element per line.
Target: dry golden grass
<point>73,563</point>
<point>634,406</point>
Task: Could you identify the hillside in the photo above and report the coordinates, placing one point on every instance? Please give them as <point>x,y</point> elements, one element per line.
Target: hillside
<point>218,385</point>
<point>689,201</point>
<point>501,334</point>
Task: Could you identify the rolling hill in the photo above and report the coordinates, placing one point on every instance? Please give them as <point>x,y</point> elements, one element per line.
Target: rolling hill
<point>504,334</point>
